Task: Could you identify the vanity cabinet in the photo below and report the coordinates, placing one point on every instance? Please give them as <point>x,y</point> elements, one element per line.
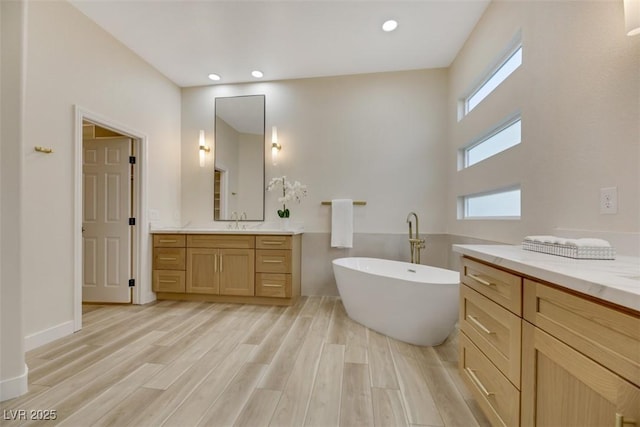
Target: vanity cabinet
<point>262,269</point>
<point>582,359</point>
<point>169,257</point>
<point>275,265</point>
<point>220,264</point>
<point>490,339</point>
<point>220,271</point>
<point>536,354</point>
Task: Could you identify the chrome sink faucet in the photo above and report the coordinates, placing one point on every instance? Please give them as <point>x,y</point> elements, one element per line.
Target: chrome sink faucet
<point>415,243</point>
<point>234,217</point>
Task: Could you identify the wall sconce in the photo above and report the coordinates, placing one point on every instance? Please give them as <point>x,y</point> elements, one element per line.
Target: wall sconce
<point>275,147</point>
<point>203,149</point>
<point>632,17</point>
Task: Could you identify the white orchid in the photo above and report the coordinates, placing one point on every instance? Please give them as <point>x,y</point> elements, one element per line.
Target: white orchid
<point>290,192</point>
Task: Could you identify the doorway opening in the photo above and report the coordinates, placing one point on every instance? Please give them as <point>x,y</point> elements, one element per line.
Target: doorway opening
<point>108,214</point>
<point>109,211</point>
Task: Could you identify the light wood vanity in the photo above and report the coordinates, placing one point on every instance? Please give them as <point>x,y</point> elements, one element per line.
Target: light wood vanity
<point>237,268</point>
<point>536,353</point>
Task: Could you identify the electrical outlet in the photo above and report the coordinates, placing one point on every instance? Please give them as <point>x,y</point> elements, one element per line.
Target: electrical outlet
<point>609,200</point>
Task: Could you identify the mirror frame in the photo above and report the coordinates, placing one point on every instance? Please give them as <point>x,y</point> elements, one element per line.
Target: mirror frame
<point>216,165</point>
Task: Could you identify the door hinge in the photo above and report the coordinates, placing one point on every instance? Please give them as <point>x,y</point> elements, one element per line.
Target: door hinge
<point>132,221</point>
<point>132,160</point>
<point>132,283</point>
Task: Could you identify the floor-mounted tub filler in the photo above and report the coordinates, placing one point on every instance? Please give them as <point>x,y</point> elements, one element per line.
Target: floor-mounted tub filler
<point>414,303</point>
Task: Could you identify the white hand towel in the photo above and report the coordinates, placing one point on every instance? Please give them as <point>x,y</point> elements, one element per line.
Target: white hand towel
<point>342,223</point>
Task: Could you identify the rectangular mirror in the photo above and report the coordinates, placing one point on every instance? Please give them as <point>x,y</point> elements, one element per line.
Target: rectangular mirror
<point>239,158</point>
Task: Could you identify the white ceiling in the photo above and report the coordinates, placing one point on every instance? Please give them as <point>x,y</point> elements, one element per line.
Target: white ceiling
<point>187,39</point>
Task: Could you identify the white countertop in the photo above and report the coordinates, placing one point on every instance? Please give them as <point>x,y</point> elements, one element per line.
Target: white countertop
<point>270,230</point>
<point>616,281</point>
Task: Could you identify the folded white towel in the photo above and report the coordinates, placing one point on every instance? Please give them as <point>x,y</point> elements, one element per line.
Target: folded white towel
<point>581,243</point>
<point>542,239</point>
<point>342,223</point>
<point>592,243</point>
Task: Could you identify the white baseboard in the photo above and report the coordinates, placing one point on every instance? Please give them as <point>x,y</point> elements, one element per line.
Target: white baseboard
<point>147,297</point>
<point>14,387</point>
<point>48,335</point>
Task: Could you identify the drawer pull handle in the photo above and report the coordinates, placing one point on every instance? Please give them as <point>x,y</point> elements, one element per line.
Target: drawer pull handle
<point>620,421</point>
<point>270,285</point>
<point>215,264</point>
<point>168,259</point>
<point>480,280</point>
<point>220,263</point>
<point>480,325</point>
<point>477,381</point>
<point>168,281</point>
<point>272,261</point>
<point>272,242</point>
<point>167,241</point>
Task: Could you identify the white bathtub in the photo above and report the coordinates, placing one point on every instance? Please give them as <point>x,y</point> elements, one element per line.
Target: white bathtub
<point>414,303</point>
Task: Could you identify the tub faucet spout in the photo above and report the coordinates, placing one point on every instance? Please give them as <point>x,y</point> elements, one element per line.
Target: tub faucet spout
<point>415,243</point>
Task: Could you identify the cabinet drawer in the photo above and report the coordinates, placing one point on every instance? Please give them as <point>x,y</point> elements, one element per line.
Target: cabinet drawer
<point>169,258</point>
<point>220,241</point>
<point>273,242</point>
<point>494,330</point>
<point>273,261</point>
<point>169,281</point>
<point>497,285</point>
<point>607,335</point>
<point>273,285</point>
<point>499,399</point>
<point>169,240</point>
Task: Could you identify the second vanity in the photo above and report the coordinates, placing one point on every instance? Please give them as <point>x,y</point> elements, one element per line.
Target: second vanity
<point>546,340</point>
<point>257,267</point>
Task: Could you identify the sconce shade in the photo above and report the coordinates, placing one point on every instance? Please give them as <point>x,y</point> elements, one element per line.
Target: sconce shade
<point>632,17</point>
<point>275,147</point>
<point>203,149</point>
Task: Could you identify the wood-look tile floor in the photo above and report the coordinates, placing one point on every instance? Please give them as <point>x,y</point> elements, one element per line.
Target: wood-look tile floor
<point>205,364</point>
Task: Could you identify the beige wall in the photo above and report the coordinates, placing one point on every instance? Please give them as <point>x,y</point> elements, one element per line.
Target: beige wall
<point>578,90</point>
<point>13,371</point>
<point>377,137</point>
<point>71,61</point>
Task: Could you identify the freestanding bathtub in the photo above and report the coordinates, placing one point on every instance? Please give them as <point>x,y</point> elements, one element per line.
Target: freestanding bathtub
<point>414,303</point>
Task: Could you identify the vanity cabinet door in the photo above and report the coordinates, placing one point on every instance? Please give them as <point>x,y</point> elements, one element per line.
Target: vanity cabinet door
<point>169,281</point>
<point>498,285</point>
<point>273,261</point>
<point>494,330</point>
<point>563,387</point>
<point>273,285</point>
<point>202,271</point>
<point>236,270</point>
<point>494,393</point>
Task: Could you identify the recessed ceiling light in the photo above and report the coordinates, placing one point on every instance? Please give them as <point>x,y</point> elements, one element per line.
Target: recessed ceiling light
<point>257,74</point>
<point>214,77</point>
<point>389,25</point>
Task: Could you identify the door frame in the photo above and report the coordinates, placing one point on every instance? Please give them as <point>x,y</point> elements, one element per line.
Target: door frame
<point>140,241</point>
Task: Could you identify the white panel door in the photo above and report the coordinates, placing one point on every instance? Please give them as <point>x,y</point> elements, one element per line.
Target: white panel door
<point>106,230</point>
